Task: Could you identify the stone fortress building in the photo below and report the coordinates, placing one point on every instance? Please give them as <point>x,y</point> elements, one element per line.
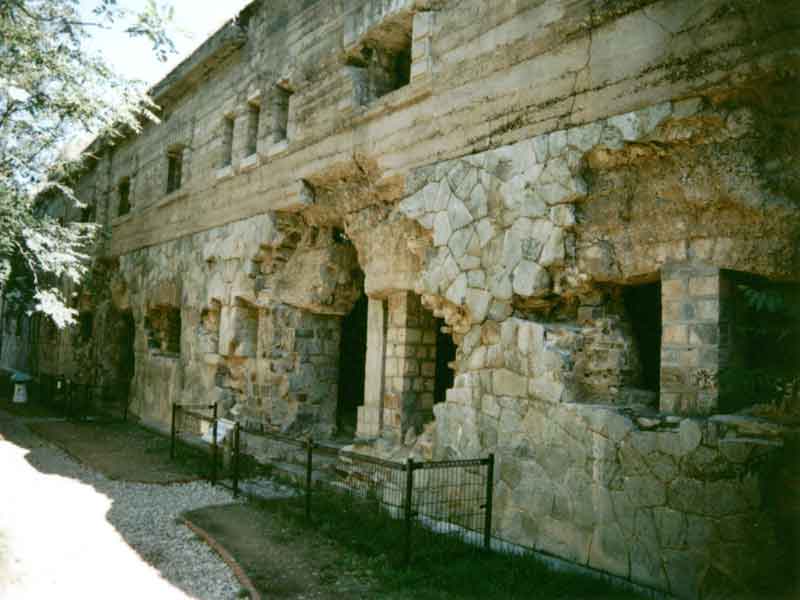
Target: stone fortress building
<point>454,227</point>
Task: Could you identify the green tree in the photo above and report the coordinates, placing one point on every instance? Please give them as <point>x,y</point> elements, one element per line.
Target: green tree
<point>54,90</point>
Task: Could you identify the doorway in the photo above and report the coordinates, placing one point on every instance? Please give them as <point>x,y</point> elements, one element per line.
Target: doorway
<point>352,361</point>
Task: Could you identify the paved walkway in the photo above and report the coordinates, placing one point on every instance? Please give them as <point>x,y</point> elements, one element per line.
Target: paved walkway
<point>68,532</point>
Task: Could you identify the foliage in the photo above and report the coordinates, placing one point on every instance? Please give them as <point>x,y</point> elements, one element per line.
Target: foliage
<point>53,91</point>
<point>768,330</point>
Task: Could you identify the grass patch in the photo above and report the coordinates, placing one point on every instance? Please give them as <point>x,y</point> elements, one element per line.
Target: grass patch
<point>441,568</point>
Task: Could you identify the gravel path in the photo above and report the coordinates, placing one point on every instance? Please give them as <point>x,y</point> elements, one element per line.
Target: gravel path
<point>67,531</point>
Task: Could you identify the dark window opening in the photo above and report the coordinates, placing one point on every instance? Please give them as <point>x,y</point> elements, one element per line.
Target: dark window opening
<point>124,197</point>
<point>163,324</point>
<point>86,325</point>
<point>445,354</point>
<point>174,169</point>
<point>280,114</point>
<point>253,124</point>
<point>352,368</point>
<point>643,306</point>
<point>88,214</point>
<point>227,141</point>
<point>759,342</point>
<point>340,237</point>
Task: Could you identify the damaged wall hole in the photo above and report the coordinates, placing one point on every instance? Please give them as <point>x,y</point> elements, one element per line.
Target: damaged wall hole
<point>209,324</point>
<point>445,356</point>
<point>239,329</point>
<point>382,62</point>
<point>163,326</point>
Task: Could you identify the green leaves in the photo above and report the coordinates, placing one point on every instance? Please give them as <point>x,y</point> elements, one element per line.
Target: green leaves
<point>767,300</point>
<point>53,93</point>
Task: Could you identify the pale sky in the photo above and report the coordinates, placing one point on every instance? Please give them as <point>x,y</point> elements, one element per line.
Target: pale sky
<point>195,20</point>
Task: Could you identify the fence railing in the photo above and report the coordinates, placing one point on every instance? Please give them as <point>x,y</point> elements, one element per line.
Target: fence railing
<point>431,499</point>
<point>79,401</point>
<point>189,419</point>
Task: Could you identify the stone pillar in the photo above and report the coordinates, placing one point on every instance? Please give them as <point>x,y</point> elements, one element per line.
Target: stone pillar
<point>410,365</point>
<point>370,416</point>
<point>690,350</point>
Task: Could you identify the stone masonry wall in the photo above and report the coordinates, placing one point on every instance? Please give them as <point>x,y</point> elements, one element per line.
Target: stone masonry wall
<point>542,157</point>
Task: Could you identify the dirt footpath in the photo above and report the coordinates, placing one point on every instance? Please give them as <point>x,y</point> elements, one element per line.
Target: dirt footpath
<point>121,451</point>
<point>281,564</point>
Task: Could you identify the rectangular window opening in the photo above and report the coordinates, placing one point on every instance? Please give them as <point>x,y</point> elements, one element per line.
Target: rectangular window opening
<point>174,169</point>
<point>280,118</point>
<point>124,197</point>
<point>253,124</point>
<point>227,141</point>
<point>86,323</point>
<point>88,214</point>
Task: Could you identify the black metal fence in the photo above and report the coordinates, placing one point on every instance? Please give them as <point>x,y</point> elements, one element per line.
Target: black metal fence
<point>431,503</point>
<point>222,460</point>
<point>80,401</point>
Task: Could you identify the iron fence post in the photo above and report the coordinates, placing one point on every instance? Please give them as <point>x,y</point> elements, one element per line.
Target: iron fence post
<point>214,448</point>
<point>235,459</point>
<point>68,400</point>
<point>408,510</point>
<point>487,525</point>
<point>309,469</point>
<point>172,433</point>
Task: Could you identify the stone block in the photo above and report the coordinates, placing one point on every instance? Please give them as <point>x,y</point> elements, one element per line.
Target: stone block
<point>478,302</point>
<point>428,369</point>
<point>530,279</point>
<point>609,550</point>
<point>704,286</point>
<point>703,333</point>
<point>673,289</point>
<point>707,310</point>
<point>507,383</point>
<point>674,334</point>
<point>690,434</point>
